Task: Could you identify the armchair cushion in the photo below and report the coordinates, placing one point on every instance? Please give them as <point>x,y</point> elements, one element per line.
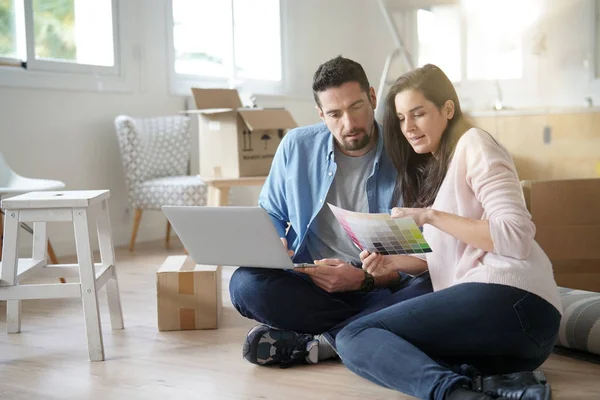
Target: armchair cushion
<point>170,191</point>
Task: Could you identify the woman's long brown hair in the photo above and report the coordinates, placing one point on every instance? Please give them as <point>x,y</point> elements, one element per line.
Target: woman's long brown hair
<point>421,175</point>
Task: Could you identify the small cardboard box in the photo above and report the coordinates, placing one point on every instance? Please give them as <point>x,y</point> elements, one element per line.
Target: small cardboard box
<point>566,214</point>
<point>234,141</point>
<point>188,295</point>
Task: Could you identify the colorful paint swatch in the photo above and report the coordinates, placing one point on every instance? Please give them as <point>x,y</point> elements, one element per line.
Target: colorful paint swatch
<point>381,233</point>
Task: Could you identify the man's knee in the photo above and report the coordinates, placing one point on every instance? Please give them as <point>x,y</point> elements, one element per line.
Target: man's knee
<point>242,285</point>
<point>255,285</point>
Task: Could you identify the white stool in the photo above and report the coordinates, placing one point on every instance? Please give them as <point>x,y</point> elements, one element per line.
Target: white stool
<point>83,208</point>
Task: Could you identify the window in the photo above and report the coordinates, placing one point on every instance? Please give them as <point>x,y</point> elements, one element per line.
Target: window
<point>478,39</point>
<point>59,35</point>
<point>495,37</point>
<point>202,37</point>
<point>9,47</point>
<point>226,42</point>
<point>438,32</point>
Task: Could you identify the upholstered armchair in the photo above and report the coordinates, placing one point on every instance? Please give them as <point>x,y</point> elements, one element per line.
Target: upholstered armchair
<point>156,153</point>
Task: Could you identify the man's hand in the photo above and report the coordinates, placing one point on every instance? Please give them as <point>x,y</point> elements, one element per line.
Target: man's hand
<point>290,252</point>
<point>333,275</point>
<point>377,264</point>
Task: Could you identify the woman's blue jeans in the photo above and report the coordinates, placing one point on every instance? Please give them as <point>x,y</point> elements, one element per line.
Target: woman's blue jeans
<point>426,345</point>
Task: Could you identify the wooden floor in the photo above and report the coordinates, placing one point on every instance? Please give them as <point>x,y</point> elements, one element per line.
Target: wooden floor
<point>49,359</point>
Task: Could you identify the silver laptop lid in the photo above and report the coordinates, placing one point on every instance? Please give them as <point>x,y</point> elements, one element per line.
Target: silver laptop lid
<point>232,236</point>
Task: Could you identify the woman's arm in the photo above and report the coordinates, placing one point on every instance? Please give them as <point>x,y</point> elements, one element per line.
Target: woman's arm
<point>491,174</point>
<point>473,232</point>
<point>505,228</point>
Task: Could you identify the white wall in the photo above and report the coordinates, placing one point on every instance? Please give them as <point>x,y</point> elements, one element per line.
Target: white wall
<point>69,135</point>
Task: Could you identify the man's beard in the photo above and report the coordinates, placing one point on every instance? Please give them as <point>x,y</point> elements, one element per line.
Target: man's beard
<point>355,145</point>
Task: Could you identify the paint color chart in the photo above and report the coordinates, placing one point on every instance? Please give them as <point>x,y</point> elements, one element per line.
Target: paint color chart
<point>381,233</point>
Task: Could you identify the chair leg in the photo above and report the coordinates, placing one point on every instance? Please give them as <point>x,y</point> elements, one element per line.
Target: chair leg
<point>136,224</point>
<point>54,260</point>
<point>51,253</point>
<point>168,237</point>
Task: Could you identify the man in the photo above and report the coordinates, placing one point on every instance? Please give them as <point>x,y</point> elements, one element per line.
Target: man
<point>340,161</point>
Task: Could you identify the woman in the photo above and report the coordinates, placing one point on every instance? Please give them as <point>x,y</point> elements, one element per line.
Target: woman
<point>495,308</point>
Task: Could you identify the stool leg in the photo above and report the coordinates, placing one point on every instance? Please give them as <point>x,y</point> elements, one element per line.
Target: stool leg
<point>8,273</point>
<point>87,275</point>
<point>107,255</point>
<point>218,196</point>
<point>40,237</point>
<point>223,198</point>
<point>212,200</point>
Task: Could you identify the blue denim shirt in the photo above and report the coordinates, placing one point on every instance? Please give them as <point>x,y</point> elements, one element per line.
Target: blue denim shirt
<point>301,174</point>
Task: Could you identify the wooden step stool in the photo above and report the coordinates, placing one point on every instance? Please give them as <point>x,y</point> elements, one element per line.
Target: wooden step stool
<point>83,208</point>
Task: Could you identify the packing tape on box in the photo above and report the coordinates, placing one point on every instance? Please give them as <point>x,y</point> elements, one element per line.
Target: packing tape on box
<point>187,316</point>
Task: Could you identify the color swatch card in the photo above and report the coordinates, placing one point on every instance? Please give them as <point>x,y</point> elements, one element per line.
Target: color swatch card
<point>381,233</point>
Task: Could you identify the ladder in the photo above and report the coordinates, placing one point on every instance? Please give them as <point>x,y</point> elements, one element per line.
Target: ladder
<point>399,52</point>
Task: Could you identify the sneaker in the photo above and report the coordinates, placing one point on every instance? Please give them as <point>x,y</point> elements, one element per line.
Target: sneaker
<point>266,346</point>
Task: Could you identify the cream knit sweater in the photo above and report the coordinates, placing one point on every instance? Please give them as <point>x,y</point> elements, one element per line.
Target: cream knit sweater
<point>482,183</point>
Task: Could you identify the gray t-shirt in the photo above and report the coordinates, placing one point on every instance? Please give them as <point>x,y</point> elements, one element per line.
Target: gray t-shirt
<point>326,238</point>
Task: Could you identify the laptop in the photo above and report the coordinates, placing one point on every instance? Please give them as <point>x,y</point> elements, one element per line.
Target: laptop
<point>232,236</point>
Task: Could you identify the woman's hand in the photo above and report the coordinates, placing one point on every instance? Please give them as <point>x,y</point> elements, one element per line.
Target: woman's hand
<point>473,232</point>
<point>376,264</point>
<point>421,216</point>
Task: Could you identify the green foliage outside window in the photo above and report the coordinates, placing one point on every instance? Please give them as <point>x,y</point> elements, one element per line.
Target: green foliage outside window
<point>54,26</point>
<point>8,47</point>
<point>54,22</point>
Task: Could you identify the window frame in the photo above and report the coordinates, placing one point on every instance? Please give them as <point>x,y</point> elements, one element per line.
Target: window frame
<point>65,75</point>
<point>181,84</point>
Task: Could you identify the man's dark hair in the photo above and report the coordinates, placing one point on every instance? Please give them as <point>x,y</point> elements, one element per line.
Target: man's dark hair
<point>337,71</point>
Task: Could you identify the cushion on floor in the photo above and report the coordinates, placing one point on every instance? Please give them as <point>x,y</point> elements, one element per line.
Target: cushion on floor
<point>580,324</point>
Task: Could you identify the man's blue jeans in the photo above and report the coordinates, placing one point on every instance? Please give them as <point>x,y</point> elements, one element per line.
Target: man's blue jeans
<point>290,300</point>
<point>426,345</point>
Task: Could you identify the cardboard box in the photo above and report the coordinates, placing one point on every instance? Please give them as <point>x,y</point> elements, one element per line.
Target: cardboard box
<point>567,218</point>
<point>234,141</point>
<point>188,295</point>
